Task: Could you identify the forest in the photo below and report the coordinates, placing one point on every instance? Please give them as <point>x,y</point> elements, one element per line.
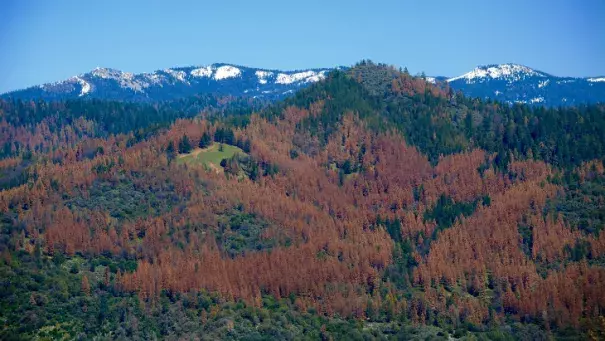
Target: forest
<point>370,205</point>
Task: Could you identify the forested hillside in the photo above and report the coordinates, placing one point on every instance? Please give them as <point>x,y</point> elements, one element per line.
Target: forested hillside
<point>371,205</point>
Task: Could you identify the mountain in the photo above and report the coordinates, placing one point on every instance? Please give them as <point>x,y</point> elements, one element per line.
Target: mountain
<point>219,78</point>
<point>369,205</point>
<point>513,83</point>
<point>510,83</point>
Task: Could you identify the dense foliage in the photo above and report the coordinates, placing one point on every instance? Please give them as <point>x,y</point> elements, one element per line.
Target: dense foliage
<point>370,205</point>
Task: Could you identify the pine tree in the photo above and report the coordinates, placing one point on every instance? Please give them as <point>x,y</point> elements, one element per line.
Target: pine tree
<point>184,145</point>
<point>205,140</point>
<point>170,151</point>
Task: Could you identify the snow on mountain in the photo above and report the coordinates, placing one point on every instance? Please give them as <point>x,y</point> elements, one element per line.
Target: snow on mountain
<point>509,72</point>
<point>514,83</point>
<point>154,78</point>
<point>307,76</point>
<point>85,86</point>
<point>227,71</point>
<point>508,83</point>
<point>205,71</point>
<point>125,79</point>
<point>107,83</point>
<point>263,75</point>
<point>107,73</point>
<point>178,75</point>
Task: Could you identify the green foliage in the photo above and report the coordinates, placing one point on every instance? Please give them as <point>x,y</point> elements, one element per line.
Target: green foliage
<point>400,271</point>
<point>125,199</point>
<point>224,135</point>
<point>446,211</point>
<point>240,233</point>
<point>43,300</point>
<point>444,125</point>
<point>112,117</point>
<point>527,239</point>
<point>184,145</point>
<point>582,203</point>
<point>170,151</point>
<point>214,154</point>
<point>205,140</point>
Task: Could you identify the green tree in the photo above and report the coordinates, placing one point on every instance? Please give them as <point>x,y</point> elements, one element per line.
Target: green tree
<point>184,145</point>
<point>170,151</point>
<point>205,140</point>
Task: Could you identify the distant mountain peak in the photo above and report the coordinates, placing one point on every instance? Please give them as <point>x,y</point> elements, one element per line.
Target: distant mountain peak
<point>109,83</point>
<point>508,83</point>
<point>508,72</point>
<point>515,83</point>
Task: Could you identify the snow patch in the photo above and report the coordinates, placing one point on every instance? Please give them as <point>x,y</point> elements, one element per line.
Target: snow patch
<point>126,79</point>
<point>306,76</point>
<point>537,100</point>
<point>227,71</point>
<point>543,83</point>
<point>263,75</point>
<point>598,79</point>
<point>431,80</point>
<point>510,72</point>
<point>154,78</point>
<point>179,75</point>
<point>497,92</point>
<point>107,73</point>
<point>205,71</point>
<point>85,86</point>
<point>316,78</point>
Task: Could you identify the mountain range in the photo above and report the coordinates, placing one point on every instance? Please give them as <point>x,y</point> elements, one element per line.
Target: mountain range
<point>509,83</point>
<point>513,83</point>
<point>166,84</point>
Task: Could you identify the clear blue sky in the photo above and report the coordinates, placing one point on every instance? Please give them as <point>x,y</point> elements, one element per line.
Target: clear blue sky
<point>43,41</point>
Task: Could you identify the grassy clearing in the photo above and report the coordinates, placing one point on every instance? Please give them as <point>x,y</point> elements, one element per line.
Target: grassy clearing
<point>210,157</point>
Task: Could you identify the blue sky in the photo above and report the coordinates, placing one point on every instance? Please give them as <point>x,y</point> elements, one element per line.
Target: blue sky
<point>43,41</point>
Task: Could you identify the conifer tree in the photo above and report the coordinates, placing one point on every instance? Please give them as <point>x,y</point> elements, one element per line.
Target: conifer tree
<point>184,145</point>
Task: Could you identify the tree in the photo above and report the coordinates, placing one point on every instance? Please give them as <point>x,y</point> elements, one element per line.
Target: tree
<point>170,151</point>
<point>246,146</point>
<point>184,145</point>
<point>205,140</point>
<point>85,285</point>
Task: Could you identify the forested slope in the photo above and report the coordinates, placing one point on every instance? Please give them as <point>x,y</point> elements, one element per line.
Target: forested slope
<point>372,204</point>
